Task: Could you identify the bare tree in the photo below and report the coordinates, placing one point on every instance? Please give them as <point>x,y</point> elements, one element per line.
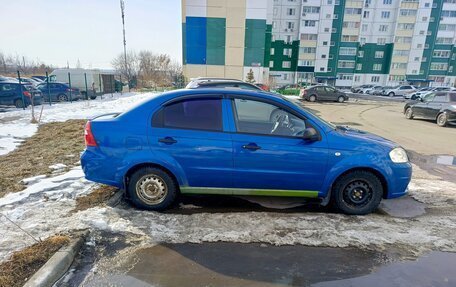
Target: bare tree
<point>131,69</point>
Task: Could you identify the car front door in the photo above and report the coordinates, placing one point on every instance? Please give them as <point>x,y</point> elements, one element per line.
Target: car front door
<point>331,94</point>
<point>321,93</point>
<point>7,94</point>
<point>270,155</point>
<point>189,133</point>
<point>420,108</point>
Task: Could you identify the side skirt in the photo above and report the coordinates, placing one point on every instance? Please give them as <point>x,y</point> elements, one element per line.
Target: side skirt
<point>248,191</point>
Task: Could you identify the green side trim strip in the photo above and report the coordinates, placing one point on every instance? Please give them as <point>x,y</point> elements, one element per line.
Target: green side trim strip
<point>247,191</point>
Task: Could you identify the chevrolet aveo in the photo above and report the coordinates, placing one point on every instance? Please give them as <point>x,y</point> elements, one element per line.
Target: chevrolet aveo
<point>238,142</point>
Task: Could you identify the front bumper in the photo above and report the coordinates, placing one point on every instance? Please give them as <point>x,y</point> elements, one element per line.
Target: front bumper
<point>399,179</point>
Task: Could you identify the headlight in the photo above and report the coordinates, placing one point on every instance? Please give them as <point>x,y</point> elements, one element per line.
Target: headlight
<point>398,155</point>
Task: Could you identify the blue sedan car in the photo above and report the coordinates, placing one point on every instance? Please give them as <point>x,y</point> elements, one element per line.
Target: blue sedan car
<point>239,142</point>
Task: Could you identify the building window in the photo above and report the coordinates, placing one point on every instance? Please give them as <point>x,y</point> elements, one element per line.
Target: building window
<point>286,64</point>
<point>385,14</point>
<point>364,28</point>
<point>359,67</point>
<point>345,77</point>
<point>309,37</point>
<point>325,43</point>
<point>405,26</point>
<point>439,66</point>
<point>285,77</point>
<point>375,79</point>
<point>399,66</point>
<point>331,56</point>
<point>347,51</point>
<point>287,51</point>
<point>290,25</point>
<point>416,59</point>
<point>346,64</point>
<point>275,11</point>
<point>310,10</point>
<point>403,40</point>
<point>427,5</point>
<point>272,51</point>
<point>401,53</point>
<point>357,78</point>
<point>291,11</point>
<point>387,2</point>
<point>331,43</point>
<point>323,56</point>
<point>307,50</point>
<point>322,69</point>
<point>349,38</point>
<point>377,67</point>
<point>271,64</point>
<point>326,30</point>
<point>379,54</point>
<point>333,30</point>
<point>366,14</point>
<point>353,11</point>
<point>419,46</point>
<point>350,24</point>
<point>444,40</point>
<point>441,53</point>
<point>407,12</point>
<point>360,54</point>
<point>309,23</point>
<point>383,28</point>
<point>306,63</point>
<point>381,41</point>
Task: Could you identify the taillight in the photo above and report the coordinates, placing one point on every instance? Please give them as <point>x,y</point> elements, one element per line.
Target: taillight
<point>27,94</point>
<point>88,135</point>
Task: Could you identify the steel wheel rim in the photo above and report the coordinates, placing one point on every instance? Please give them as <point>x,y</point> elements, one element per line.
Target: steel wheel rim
<point>62,98</point>
<point>312,98</point>
<point>357,193</point>
<point>341,99</point>
<point>442,119</point>
<point>151,189</point>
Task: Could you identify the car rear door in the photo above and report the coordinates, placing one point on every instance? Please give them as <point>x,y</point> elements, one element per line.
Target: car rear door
<point>420,108</point>
<point>190,133</point>
<point>7,93</point>
<point>267,162</point>
<point>433,107</point>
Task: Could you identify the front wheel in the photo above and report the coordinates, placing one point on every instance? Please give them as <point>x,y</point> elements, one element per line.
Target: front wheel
<point>312,98</point>
<point>152,189</point>
<point>391,94</point>
<point>62,98</point>
<point>409,113</point>
<point>341,99</point>
<point>442,120</point>
<point>357,193</point>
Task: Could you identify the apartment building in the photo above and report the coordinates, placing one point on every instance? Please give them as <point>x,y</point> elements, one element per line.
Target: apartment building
<point>340,42</point>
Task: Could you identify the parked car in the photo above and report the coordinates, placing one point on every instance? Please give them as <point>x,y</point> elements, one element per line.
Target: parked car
<point>39,78</point>
<point>436,106</point>
<point>19,95</point>
<point>370,91</point>
<point>238,142</point>
<point>400,90</point>
<point>225,84</point>
<point>323,93</point>
<point>59,92</point>
<point>7,79</point>
<point>358,89</point>
<point>424,91</point>
<point>29,81</point>
<point>195,82</point>
<point>263,87</point>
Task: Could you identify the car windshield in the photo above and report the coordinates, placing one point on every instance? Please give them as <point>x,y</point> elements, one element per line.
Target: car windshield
<point>298,104</point>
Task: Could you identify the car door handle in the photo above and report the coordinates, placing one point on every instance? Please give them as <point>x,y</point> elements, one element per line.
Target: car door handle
<point>251,146</point>
<point>167,140</point>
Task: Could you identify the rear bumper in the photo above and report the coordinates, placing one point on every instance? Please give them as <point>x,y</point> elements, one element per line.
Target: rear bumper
<point>451,117</point>
<point>98,168</point>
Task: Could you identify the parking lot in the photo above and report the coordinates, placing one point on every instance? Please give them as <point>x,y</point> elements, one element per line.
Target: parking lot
<point>123,240</point>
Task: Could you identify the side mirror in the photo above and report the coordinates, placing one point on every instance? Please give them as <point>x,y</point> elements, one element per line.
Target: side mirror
<point>310,134</point>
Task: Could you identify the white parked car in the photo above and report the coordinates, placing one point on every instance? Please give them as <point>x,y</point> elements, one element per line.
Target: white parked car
<point>424,91</point>
<point>400,90</point>
<point>370,90</point>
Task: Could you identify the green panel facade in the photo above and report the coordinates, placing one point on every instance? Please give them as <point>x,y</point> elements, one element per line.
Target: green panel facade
<point>278,58</point>
<point>433,28</point>
<point>369,60</point>
<point>255,38</point>
<point>215,46</point>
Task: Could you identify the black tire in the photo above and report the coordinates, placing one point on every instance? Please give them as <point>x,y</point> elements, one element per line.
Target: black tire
<point>62,98</point>
<point>312,98</point>
<point>442,120</point>
<point>341,99</point>
<point>409,113</point>
<point>391,94</point>
<point>357,193</point>
<point>19,104</point>
<point>157,179</point>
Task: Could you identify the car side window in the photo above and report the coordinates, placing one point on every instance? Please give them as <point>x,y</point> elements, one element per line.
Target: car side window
<point>320,89</point>
<point>428,98</point>
<point>7,87</point>
<point>262,118</point>
<point>440,98</point>
<point>330,90</point>
<point>196,114</point>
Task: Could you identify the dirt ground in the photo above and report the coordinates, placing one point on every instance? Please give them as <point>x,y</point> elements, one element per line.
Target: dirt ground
<point>59,142</point>
<point>24,263</point>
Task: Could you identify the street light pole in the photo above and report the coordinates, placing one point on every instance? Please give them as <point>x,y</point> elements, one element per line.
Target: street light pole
<point>122,9</point>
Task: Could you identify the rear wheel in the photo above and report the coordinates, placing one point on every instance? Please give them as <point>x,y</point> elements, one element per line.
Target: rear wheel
<point>62,98</point>
<point>312,98</point>
<point>409,113</point>
<point>357,193</point>
<point>18,103</point>
<point>341,99</point>
<point>442,119</point>
<point>391,94</point>
<point>152,189</point>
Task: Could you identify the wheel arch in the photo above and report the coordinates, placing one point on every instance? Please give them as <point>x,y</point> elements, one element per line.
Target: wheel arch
<point>139,166</point>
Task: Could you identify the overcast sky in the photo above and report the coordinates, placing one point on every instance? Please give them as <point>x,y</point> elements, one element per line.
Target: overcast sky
<point>57,31</point>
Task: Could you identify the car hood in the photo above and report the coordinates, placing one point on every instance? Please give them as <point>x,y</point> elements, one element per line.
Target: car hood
<point>354,139</point>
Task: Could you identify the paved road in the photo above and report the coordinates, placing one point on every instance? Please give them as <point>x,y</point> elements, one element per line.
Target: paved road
<point>386,119</point>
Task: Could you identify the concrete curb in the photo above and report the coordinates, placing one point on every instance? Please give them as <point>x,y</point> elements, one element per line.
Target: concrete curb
<point>58,264</point>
